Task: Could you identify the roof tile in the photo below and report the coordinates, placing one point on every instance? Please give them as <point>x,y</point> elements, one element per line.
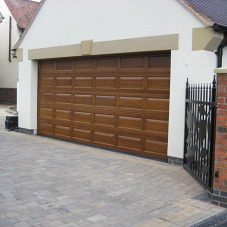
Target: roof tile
<point>22,11</point>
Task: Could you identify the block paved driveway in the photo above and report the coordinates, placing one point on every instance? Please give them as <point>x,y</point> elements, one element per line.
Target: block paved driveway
<point>48,182</point>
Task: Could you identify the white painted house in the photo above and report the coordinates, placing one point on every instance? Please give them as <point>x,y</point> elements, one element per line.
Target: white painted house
<point>113,73</point>
<point>8,65</point>
<point>17,14</point>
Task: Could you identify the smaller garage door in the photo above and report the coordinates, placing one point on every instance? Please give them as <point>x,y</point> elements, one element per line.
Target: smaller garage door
<point>118,102</point>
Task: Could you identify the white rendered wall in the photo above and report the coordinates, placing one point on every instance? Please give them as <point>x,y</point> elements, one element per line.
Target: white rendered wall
<point>224,57</point>
<point>60,24</point>
<point>106,20</point>
<point>199,67</point>
<point>8,70</point>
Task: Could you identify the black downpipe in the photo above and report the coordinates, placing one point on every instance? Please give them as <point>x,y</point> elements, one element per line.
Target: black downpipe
<point>220,53</point>
<point>10,36</point>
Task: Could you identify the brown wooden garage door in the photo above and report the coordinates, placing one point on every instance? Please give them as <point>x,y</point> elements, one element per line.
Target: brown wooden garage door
<point>119,102</point>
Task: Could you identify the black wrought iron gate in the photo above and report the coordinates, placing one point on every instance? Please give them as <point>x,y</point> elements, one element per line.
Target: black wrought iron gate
<point>200,131</point>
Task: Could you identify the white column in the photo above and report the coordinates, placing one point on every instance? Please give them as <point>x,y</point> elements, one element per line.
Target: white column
<point>28,84</point>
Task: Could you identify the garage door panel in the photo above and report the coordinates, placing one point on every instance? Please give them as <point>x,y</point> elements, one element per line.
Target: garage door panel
<point>47,129</point>
<point>54,106</point>
<point>104,100</point>
<point>130,123</point>
<point>157,136</point>
<point>83,82</point>
<point>157,104</point>
<point>161,94</point>
<point>46,97</point>
<point>132,82</point>
<point>84,64</point>
<point>63,98</point>
<point>106,63</point>
<point>86,116</point>
<point>64,82</point>
<point>159,115</point>
<point>158,61</point>
<point>134,93</point>
<point>118,102</point>
<point>104,119</point>
<point>158,83</point>
<point>108,129</point>
<point>82,117</point>
<point>46,82</point>
<point>46,66</point>
<point>82,134</point>
<point>64,65</point>
<point>63,115</point>
<point>46,113</point>
<point>131,102</point>
<point>106,82</point>
<point>83,99</point>
<point>63,131</point>
<point>132,62</point>
<point>109,110</point>
<point>103,138</point>
<point>149,135</point>
<point>152,125</point>
<point>156,147</point>
<point>129,142</point>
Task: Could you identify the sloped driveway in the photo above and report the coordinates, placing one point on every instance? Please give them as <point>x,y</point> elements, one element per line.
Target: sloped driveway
<point>47,182</point>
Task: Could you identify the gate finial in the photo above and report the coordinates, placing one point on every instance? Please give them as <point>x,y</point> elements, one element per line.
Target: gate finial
<point>214,82</point>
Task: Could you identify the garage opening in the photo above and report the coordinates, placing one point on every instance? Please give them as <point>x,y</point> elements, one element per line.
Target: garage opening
<point>118,102</point>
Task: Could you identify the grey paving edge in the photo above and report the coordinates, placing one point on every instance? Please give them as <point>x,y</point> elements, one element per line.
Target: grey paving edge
<point>26,131</point>
<point>175,161</point>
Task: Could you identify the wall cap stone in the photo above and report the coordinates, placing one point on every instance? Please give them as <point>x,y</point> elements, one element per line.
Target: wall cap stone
<point>221,70</point>
<point>206,39</point>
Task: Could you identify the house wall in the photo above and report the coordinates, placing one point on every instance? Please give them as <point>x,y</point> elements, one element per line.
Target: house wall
<point>102,20</point>
<point>8,70</point>
<point>224,57</point>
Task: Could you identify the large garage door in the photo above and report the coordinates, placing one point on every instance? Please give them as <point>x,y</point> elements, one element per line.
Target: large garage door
<point>118,102</point>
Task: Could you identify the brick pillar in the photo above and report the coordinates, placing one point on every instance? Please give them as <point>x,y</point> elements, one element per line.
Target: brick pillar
<point>220,165</point>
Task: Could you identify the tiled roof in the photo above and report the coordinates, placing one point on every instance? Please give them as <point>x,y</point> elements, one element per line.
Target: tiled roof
<point>22,11</point>
<point>212,12</point>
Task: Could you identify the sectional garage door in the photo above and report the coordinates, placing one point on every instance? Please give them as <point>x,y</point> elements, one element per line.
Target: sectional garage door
<point>118,102</point>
